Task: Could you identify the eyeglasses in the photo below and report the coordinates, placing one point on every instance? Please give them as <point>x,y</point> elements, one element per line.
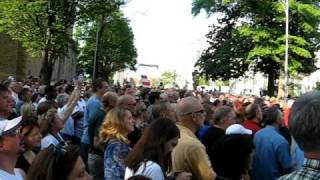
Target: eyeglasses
<point>200,111</point>
<point>59,151</point>
<point>131,104</point>
<point>15,133</point>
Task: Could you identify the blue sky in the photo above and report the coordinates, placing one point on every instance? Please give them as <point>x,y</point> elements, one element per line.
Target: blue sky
<point>167,34</point>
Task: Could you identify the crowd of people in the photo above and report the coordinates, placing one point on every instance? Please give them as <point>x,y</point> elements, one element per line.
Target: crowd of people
<point>99,131</point>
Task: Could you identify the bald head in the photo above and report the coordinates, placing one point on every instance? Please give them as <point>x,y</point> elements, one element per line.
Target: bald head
<point>109,99</point>
<point>128,102</point>
<point>191,113</point>
<point>188,105</point>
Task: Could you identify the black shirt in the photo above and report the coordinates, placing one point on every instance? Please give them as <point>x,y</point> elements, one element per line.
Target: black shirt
<point>212,136</point>
<point>22,163</point>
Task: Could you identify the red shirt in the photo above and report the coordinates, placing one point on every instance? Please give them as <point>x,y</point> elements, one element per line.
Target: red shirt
<point>252,125</point>
<point>286,114</point>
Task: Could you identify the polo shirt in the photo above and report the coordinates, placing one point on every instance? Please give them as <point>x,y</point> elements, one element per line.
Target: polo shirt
<point>190,155</point>
<point>272,154</point>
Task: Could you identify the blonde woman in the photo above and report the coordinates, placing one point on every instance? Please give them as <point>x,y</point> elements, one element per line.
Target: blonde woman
<point>114,131</point>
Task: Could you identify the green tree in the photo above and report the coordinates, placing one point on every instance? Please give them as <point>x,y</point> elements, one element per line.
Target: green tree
<point>45,27</point>
<point>250,36</point>
<point>168,78</point>
<point>202,80</point>
<point>116,47</point>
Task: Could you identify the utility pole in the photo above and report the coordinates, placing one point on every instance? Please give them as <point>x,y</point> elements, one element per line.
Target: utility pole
<point>285,3</point>
<point>95,53</point>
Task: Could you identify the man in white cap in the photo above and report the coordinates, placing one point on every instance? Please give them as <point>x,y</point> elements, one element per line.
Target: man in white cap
<point>238,129</point>
<point>10,146</point>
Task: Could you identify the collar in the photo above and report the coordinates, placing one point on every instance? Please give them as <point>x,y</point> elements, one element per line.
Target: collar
<point>187,131</point>
<point>252,122</point>
<point>272,127</point>
<point>311,163</point>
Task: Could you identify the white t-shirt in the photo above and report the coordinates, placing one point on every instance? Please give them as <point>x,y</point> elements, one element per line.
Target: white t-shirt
<point>149,169</point>
<point>68,127</point>
<point>48,140</point>
<point>8,176</point>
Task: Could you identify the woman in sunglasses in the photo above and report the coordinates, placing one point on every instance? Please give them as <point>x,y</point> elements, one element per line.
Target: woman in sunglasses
<point>58,163</point>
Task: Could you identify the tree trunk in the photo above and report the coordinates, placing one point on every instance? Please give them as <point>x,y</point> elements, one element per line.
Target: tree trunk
<point>46,69</point>
<point>271,79</point>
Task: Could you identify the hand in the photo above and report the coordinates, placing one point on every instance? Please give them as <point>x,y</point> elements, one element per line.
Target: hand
<point>183,176</point>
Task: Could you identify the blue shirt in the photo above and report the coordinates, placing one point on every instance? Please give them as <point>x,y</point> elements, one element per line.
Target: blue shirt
<point>272,154</point>
<point>202,131</point>
<point>18,106</point>
<point>92,107</point>
<point>115,154</point>
<point>297,155</point>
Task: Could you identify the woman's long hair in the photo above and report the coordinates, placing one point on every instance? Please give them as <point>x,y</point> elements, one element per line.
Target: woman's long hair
<point>53,163</point>
<point>113,126</point>
<point>151,146</point>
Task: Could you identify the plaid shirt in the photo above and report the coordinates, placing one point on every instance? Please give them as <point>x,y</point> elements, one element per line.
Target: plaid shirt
<point>310,170</point>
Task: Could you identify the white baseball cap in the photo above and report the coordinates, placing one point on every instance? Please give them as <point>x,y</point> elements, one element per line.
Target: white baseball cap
<point>237,129</point>
<point>9,126</point>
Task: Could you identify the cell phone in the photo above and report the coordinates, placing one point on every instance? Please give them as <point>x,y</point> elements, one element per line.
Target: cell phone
<point>81,79</point>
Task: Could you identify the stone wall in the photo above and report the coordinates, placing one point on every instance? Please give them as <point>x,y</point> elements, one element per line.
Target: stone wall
<point>14,61</point>
<point>65,67</point>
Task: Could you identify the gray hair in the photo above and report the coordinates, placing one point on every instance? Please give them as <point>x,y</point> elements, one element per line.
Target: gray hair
<point>304,121</point>
<point>157,110</point>
<point>222,114</point>
<point>271,115</point>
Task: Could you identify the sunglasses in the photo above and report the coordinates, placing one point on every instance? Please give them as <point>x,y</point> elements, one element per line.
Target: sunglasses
<point>15,133</point>
<point>196,112</point>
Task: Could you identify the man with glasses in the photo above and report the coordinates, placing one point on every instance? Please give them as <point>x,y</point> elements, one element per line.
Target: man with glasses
<point>10,146</point>
<point>129,102</point>
<point>189,155</point>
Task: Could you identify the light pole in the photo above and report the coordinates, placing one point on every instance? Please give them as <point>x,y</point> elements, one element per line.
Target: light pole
<point>286,6</point>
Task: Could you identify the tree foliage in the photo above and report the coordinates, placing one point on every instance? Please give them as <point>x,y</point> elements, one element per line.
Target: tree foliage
<point>168,78</point>
<point>45,27</point>
<point>251,36</point>
<point>116,47</point>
